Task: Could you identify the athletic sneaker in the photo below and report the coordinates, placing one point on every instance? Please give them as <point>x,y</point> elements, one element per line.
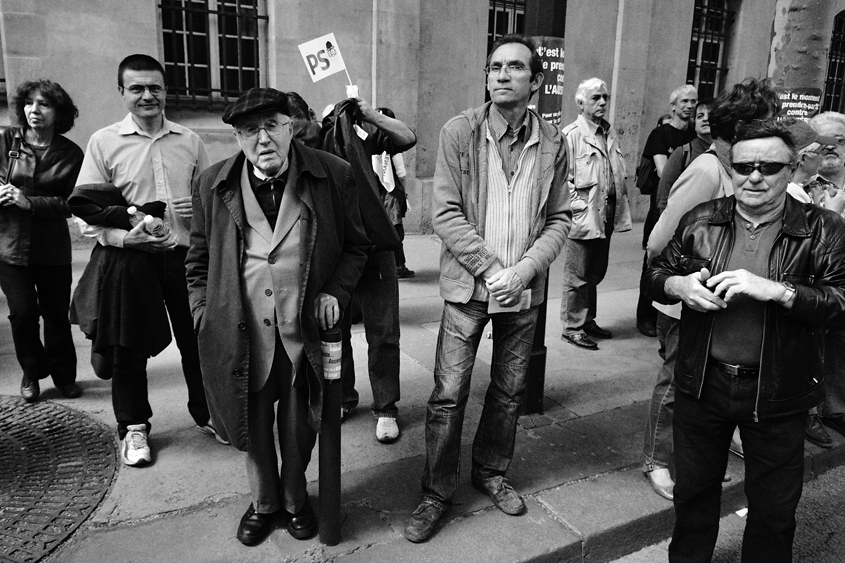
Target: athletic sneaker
<point>134,450</point>
<point>387,430</point>
<point>208,428</point>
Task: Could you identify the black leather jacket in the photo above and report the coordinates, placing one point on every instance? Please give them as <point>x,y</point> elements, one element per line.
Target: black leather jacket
<point>39,236</point>
<point>809,252</point>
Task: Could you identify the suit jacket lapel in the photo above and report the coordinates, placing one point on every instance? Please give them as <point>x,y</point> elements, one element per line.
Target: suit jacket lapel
<point>254,215</point>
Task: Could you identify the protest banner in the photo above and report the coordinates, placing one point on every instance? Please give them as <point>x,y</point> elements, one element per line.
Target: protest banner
<point>322,57</point>
<point>548,101</point>
<point>798,103</point>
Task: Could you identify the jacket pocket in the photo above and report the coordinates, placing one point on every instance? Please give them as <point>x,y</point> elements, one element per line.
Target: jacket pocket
<point>586,172</point>
<point>690,264</point>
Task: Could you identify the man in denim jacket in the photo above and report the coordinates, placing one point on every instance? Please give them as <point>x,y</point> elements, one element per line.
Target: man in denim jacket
<point>599,201</point>
<point>502,212</point>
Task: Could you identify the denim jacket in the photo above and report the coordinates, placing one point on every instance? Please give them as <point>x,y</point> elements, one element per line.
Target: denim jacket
<point>460,201</point>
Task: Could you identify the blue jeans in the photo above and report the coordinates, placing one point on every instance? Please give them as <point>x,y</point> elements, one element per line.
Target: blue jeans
<point>774,471</point>
<point>657,446</point>
<point>378,295</point>
<point>461,329</point>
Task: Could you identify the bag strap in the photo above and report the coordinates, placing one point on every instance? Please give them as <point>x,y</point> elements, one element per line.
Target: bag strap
<point>14,154</point>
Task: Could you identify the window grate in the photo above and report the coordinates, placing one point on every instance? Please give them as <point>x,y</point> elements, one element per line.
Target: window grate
<point>504,17</point>
<point>211,49</point>
<point>833,84</point>
<point>711,22</point>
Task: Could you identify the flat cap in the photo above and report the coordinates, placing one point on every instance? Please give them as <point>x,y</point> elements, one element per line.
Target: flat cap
<point>255,100</point>
<point>802,132</point>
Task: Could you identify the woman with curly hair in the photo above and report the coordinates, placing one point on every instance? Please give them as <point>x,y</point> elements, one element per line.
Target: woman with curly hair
<point>38,168</point>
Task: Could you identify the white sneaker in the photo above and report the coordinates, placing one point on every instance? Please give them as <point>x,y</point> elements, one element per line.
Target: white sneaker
<point>134,450</point>
<point>209,429</point>
<point>387,430</point>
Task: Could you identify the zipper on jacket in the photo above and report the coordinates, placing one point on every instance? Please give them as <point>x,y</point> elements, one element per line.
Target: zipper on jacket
<point>776,274</point>
<point>729,236</point>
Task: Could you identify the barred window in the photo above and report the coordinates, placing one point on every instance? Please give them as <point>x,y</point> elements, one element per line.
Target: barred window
<point>711,22</point>
<point>833,84</point>
<point>213,49</point>
<point>505,16</point>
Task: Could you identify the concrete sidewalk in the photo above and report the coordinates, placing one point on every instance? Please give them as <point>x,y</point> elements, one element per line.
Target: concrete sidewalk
<point>577,464</point>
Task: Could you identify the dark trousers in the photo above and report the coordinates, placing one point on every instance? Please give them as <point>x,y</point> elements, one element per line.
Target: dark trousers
<point>645,310</point>
<point>399,253</point>
<point>34,292</point>
<point>774,469</point>
<point>273,488</point>
<point>378,295</point>
<point>834,375</point>
<point>129,373</point>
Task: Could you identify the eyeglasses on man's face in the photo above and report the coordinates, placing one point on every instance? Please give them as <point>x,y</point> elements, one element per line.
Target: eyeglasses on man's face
<point>509,68</point>
<point>250,131</point>
<point>765,168</point>
<point>138,89</point>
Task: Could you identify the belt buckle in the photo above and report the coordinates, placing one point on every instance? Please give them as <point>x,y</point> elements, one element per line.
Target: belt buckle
<point>730,369</point>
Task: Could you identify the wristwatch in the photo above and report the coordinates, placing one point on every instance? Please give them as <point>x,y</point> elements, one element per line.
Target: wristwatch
<point>788,294</point>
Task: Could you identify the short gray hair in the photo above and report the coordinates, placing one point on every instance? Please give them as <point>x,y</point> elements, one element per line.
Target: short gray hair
<point>678,92</point>
<point>589,84</point>
<point>828,117</point>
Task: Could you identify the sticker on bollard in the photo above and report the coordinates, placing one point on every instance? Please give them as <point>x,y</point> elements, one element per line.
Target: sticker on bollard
<point>330,344</point>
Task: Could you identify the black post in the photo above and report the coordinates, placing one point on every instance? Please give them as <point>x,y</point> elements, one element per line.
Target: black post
<point>330,464</point>
<point>536,381</point>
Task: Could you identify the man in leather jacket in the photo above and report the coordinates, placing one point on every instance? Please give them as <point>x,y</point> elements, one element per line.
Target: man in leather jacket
<point>761,277</point>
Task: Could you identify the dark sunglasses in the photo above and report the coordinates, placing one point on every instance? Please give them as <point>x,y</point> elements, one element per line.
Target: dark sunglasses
<point>765,168</point>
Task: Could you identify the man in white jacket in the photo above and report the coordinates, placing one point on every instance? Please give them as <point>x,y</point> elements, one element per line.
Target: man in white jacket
<point>599,202</point>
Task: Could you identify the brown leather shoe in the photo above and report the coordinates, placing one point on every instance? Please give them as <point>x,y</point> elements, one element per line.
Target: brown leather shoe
<point>580,339</point>
<point>837,423</point>
<point>501,493</point>
<point>647,328</point>
<point>303,524</point>
<point>423,521</point>
<point>254,527</point>
<point>30,389</point>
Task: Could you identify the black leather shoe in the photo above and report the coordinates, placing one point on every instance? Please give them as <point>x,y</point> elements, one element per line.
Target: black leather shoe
<point>647,328</point>
<point>30,390</point>
<point>580,339</point>
<point>837,423</point>
<point>303,524</point>
<point>422,522</point>
<point>816,433</point>
<point>596,331</point>
<point>254,527</point>
<point>71,390</point>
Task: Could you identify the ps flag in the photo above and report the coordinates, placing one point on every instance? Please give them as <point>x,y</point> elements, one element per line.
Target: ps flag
<point>322,57</point>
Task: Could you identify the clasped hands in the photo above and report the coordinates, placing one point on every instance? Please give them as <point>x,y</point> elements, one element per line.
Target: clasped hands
<point>703,293</point>
<point>505,286</point>
<point>10,195</point>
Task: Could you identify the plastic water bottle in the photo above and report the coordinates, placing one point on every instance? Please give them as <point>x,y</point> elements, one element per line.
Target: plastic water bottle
<point>155,226</point>
<point>330,343</point>
<point>135,216</point>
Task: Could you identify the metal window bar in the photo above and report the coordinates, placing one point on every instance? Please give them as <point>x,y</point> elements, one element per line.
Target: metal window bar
<point>706,69</point>
<point>176,12</point>
<point>505,16</point>
<point>835,80</point>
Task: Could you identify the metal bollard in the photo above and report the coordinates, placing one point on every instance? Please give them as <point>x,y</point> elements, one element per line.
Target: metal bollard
<point>330,464</point>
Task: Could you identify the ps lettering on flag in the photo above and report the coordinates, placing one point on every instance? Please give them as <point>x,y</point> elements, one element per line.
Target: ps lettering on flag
<point>322,57</point>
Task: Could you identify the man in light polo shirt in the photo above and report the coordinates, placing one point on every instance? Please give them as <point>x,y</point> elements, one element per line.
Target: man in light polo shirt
<point>148,158</point>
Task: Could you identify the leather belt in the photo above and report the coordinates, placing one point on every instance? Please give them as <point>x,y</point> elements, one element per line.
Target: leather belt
<point>736,370</point>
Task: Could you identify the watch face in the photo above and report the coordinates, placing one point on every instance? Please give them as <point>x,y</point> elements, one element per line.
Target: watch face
<point>789,285</point>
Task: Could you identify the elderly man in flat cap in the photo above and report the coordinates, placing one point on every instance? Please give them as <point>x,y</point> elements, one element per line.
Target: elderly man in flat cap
<point>276,249</point>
